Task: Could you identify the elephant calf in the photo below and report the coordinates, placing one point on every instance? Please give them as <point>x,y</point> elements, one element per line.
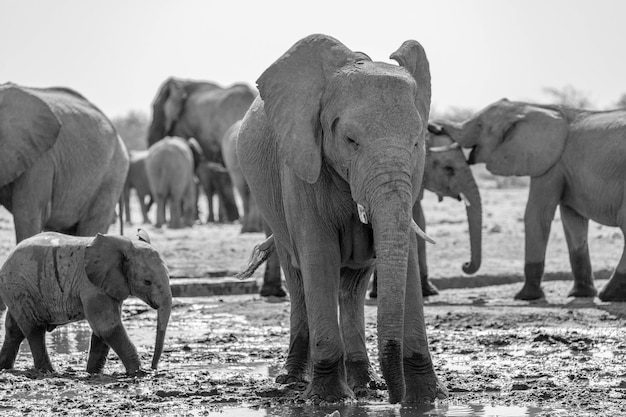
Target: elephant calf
<point>53,279</point>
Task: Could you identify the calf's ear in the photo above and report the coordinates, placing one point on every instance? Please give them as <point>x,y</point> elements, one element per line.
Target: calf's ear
<point>105,259</point>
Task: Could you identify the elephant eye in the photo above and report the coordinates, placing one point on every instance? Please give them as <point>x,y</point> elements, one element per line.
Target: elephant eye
<point>147,282</point>
<point>352,143</point>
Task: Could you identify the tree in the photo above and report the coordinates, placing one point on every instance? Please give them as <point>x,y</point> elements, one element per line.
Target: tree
<point>568,96</point>
<point>133,128</point>
<point>621,103</point>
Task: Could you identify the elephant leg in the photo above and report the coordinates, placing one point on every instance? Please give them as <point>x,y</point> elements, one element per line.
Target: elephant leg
<point>428,288</point>
<point>422,384</point>
<point>296,366</point>
<point>615,288</point>
<point>127,204</point>
<point>175,212</point>
<point>160,202</point>
<point>13,338</point>
<point>98,351</point>
<point>542,201</point>
<point>144,209</point>
<point>31,203</point>
<point>118,340</point>
<point>360,374</point>
<point>211,216</point>
<point>320,267</point>
<point>576,229</point>
<point>272,280</point>
<point>36,335</point>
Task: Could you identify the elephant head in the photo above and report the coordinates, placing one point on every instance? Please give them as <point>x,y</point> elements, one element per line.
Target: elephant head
<point>448,174</point>
<point>342,118</point>
<point>513,138</point>
<point>168,107</point>
<point>28,128</point>
<point>122,267</point>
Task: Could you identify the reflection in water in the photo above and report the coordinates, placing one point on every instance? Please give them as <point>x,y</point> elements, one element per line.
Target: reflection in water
<point>387,410</point>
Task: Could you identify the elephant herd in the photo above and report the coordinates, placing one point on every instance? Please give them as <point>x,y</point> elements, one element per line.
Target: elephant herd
<point>331,157</point>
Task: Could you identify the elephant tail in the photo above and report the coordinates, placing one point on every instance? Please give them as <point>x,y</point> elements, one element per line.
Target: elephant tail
<point>260,253</point>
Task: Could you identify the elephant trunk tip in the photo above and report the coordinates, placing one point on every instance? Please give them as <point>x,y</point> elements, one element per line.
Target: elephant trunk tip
<point>471,267</point>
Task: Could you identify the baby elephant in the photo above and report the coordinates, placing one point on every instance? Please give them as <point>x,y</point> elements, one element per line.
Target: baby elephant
<point>52,279</point>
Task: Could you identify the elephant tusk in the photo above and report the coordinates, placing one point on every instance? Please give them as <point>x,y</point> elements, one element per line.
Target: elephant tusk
<point>143,235</point>
<point>362,214</point>
<point>418,231</point>
<point>445,148</point>
<point>464,199</point>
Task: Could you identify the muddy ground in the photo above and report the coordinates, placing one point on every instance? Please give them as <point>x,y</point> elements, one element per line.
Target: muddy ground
<point>497,356</point>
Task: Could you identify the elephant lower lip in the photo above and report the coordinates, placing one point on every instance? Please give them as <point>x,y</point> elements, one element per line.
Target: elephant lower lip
<point>472,156</point>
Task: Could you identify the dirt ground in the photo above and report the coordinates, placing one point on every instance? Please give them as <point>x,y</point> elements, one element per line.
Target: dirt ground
<point>497,356</point>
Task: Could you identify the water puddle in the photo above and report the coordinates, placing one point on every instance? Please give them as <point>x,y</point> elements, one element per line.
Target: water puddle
<point>387,410</point>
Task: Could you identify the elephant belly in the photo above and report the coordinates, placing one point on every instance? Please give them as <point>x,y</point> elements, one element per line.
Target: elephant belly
<point>596,206</point>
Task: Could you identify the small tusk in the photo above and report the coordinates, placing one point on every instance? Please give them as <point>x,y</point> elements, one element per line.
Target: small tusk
<point>444,148</point>
<point>362,214</point>
<point>418,231</point>
<point>464,199</point>
<point>143,235</point>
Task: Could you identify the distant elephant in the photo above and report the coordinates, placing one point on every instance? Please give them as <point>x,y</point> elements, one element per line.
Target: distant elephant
<point>252,220</point>
<point>575,159</point>
<point>138,179</point>
<point>170,169</point>
<point>333,151</point>
<point>201,110</point>
<point>62,164</point>
<point>447,174</point>
<point>52,279</point>
<point>214,179</point>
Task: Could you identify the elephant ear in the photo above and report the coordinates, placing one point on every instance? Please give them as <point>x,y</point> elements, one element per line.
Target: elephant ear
<point>173,105</point>
<point>28,128</point>
<point>105,259</point>
<point>412,57</point>
<point>532,140</point>
<point>291,89</point>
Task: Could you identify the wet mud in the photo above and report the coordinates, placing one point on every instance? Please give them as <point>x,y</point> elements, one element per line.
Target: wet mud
<point>556,357</point>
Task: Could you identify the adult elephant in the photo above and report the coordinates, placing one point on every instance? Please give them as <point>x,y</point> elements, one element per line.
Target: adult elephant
<point>575,159</point>
<point>252,218</point>
<point>62,164</point>
<point>333,152</point>
<point>201,110</point>
<point>447,174</point>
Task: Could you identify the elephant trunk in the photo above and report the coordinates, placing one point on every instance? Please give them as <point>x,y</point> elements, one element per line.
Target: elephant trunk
<point>460,134</point>
<point>391,219</point>
<point>163,317</point>
<point>475,222</point>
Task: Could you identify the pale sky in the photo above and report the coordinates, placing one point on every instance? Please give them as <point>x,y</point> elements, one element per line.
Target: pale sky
<point>118,52</point>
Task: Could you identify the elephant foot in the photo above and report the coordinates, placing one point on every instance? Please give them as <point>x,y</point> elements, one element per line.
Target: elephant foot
<point>328,388</point>
<point>530,292</point>
<point>424,388</point>
<point>428,288</point>
<point>272,291</point>
<point>292,377</point>
<point>615,289</point>
<point>583,289</point>
<point>361,378</point>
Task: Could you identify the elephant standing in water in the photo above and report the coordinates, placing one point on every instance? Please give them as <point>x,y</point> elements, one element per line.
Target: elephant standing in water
<point>200,110</point>
<point>333,151</point>
<point>575,159</point>
<point>52,279</point>
<point>447,174</point>
<point>62,164</point>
